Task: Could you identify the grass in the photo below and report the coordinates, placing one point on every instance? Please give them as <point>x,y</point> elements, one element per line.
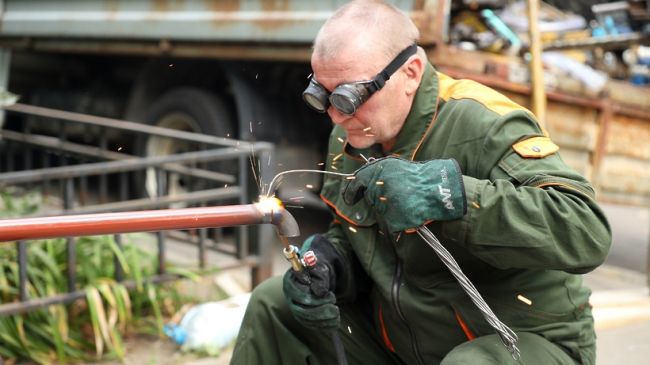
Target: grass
<point>92,328</point>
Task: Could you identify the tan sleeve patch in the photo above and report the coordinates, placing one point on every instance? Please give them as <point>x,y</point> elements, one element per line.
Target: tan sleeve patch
<point>535,147</point>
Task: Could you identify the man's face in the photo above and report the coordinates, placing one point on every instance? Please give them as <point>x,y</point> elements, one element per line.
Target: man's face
<point>381,117</point>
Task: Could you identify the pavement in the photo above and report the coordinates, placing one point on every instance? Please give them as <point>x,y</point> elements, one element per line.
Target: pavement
<point>621,308</point>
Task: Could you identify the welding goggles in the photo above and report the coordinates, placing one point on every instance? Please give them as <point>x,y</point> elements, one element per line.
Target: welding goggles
<point>348,97</point>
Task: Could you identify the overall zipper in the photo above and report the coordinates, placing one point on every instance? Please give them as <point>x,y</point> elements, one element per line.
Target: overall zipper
<point>397,278</point>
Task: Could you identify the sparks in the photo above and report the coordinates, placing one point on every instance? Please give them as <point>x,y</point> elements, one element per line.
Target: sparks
<point>379,182</point>
<point>337,157</point>
<point>352,229</point>
<point>309,186</point>
<point>367,129</point>
<point>321,163</point>
<point>383,198</point>
<point>340,139</point>
<point>119,148</point>
<point>524,299</point>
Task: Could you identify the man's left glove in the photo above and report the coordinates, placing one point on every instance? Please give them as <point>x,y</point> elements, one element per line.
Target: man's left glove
<point>310,293</point>
<point>409,194</point>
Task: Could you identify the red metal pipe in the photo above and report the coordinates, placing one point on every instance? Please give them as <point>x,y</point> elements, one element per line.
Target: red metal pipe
<point>270,211</point>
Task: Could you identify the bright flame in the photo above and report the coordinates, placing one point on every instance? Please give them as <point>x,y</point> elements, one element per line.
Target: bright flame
<point>269,204</point>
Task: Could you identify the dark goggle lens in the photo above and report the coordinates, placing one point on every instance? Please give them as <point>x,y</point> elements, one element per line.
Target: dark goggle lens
<point>344,103</point>
<point>347,98</point>
<point>316,96</point>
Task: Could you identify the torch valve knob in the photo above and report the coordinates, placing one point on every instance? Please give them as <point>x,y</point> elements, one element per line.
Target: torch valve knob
<point>309,259</point>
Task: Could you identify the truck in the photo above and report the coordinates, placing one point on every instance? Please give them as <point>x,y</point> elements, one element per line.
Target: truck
<point>236,68</point>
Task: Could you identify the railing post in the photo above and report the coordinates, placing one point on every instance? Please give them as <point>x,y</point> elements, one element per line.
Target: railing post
<point>243,236</point>
<point>103,183</point>
<point>264,237</point>
<point>161,180</point>
<point>70,243</point>
<point>21,247</point>
<point>119,270</point>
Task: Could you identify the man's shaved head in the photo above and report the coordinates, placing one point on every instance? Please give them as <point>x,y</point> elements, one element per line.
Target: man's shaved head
<point>367,25</point>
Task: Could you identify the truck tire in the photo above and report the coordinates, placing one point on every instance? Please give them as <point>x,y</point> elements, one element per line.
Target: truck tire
<point>187,109</point>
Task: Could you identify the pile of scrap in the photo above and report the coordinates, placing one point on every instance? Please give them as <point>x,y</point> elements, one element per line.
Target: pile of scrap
<point>590,47</point>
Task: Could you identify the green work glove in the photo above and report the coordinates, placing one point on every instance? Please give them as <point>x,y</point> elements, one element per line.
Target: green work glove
<point>409,194</point>
<point>310,293</point>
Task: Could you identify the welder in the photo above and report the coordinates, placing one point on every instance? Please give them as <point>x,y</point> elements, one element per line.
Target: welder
<point>468,163</point>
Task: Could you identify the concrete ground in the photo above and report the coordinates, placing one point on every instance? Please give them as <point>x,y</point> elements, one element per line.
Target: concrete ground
<point>621,302</point>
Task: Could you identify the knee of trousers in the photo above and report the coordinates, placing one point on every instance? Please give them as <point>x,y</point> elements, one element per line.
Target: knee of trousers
<point>267,302</point>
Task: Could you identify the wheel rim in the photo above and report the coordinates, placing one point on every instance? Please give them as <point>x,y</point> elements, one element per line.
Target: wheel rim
<point>161,146</point>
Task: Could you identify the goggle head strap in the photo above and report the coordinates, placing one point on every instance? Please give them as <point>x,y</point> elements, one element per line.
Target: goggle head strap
<point>380,79</point>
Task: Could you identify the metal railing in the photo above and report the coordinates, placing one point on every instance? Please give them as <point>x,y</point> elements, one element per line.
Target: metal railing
<point>76,168</point>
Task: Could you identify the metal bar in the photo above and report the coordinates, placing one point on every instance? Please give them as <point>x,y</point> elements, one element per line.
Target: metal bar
<point>21,247</point>
<point>148,203</point>
<point>10,156</point>
<point>160,240</point>
<point>118,166</point>
<point>261,242</point>
<point>103,182</point>
<point>203,233</point>
<point>242,238</point>
<point>161,182</point>
<point>124,186</point>
<point>68,194</point>
<point>71,259</point>
<point>62,160</point>
<point>27,153</point>
<point>125,125</point>
<point>140,221</point>
<point>70,243</point>
<point>237,52</point>
<point>46,164</point>
<point>119,270</point>
<point>83,186</point>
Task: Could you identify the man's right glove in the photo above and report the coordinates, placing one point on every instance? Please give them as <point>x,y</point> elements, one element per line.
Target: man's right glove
<point>310,293</point>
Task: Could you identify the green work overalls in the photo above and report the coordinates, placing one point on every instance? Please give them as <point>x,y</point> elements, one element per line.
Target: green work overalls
<point>531,228</point>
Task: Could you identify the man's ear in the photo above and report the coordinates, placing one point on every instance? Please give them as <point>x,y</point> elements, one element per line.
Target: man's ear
<point>414,69</point>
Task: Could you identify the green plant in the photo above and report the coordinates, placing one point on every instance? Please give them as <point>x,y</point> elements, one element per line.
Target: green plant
<point>95,324</point>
